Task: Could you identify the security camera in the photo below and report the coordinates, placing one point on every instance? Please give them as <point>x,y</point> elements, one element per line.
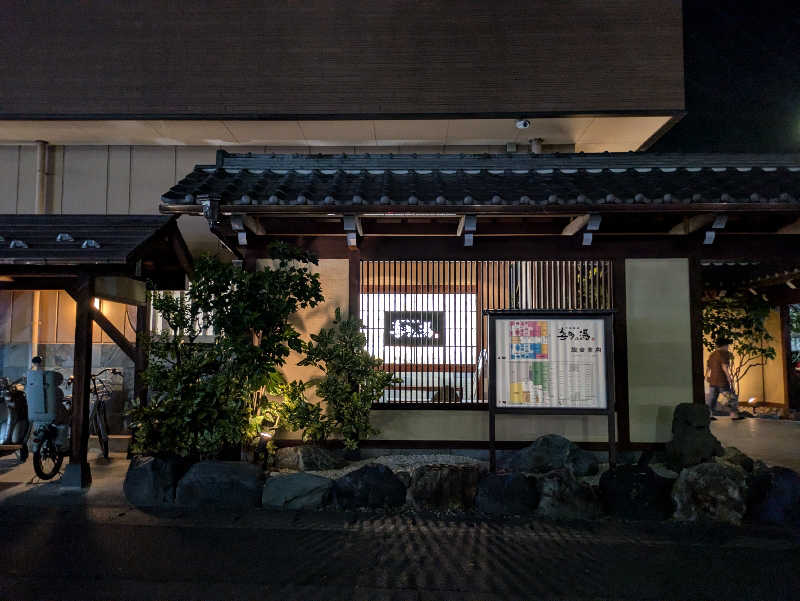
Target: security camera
<point>523,124</point>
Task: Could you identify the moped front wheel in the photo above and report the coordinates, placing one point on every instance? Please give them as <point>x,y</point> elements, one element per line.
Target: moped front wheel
<point>47,461</point>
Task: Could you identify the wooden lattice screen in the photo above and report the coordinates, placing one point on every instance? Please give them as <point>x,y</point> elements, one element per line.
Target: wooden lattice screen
<point>425,318</point>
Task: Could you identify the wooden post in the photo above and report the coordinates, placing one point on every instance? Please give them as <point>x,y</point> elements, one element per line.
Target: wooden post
<point>354,284</point>
<point>77,473</point>
<point>621,404</point>
<point>786,348</point>
<point>696,326</point>
<point>142,330</point>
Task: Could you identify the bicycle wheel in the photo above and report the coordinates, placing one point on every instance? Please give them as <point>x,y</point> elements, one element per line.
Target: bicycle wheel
<point>101,425</point>
<point>47,461</point>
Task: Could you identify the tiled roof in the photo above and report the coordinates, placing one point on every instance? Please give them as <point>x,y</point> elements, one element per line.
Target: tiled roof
<point>64,239</point>
<point>473,180</point>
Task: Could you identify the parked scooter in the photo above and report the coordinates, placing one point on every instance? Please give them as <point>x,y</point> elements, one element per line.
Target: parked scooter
<point>15,427</point>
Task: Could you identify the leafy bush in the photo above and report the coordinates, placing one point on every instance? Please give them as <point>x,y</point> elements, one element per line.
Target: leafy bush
<point>209,397</point>
<point>353,379</point>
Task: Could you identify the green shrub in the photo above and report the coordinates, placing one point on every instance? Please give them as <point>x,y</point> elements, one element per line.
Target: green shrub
<point>353,379</point>
<point>209,397</point>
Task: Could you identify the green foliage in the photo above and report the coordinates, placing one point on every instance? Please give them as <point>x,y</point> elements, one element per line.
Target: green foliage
<point>353,379</point>
<point>299,414</point>
<point>209,396</point>
<point>740,317</point>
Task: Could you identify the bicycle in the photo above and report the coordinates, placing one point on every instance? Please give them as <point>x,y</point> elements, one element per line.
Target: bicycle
<point>52,441</point>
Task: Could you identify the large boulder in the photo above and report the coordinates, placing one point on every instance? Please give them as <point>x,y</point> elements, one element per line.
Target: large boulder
<point>710,491</point>
<point>373,485</point>
<point>552,452</point>
<point>562,497</point>
<point>445,486</point>
<point>232,484</point>
<point>506,494</point>
<point>306,458</point>
<point>734,456</point>
<point>636,492</point>
<point>297,491</point>
<point>692,441</point>
<point>151,481</point>
<point>773,496</point>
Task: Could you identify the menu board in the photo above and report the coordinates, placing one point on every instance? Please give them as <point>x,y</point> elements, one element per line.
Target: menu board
<point>550,363</point>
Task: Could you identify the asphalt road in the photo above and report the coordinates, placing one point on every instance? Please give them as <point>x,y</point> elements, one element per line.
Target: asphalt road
<point>116,553</point>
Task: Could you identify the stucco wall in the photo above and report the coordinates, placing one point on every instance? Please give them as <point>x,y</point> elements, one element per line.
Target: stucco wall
<point>659,344</point>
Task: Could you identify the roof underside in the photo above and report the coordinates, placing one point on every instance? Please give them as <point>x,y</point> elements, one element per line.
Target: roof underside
<point>513,180</point>
<point>119,239</point>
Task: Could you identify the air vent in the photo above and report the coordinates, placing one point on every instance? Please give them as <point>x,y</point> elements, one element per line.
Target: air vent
<point>90,244</point>
<point>17,244</point>
<point>65,237</point>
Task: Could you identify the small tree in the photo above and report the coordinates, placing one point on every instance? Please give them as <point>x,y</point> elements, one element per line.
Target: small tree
<point>210,396</point>
<point>740,318</point>
<point>353,379</point>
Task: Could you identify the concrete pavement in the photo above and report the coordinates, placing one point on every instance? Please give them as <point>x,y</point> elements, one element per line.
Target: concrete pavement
<point>776,442</point>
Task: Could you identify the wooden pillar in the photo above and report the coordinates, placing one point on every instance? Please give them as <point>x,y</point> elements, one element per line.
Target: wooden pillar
<point>77,473</point>
<point>621,403</point>
<point>786,347</point>
<point>696,325</point>
<point>354,284</point>
<point>142,330</point>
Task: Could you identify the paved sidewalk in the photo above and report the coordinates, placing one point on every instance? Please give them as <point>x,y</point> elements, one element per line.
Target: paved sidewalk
<point>94,552</point>
<point>776,442</point>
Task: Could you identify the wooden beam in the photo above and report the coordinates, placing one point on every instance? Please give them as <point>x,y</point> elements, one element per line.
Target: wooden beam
<point>354,284</point>
<point>113,333</point>
<point>575,225</point>
<point>792,228</point>
<point>786,351</point>
<point>621,402</point>
<point>696,330</point>
<point>691,224</point>
<point>182,253</point>
<point>140,363</point>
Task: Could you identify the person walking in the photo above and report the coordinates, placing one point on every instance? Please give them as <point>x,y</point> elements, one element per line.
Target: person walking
<point>718,375</point>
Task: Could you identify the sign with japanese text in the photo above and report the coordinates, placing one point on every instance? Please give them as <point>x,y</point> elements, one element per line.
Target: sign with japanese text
<point>413,328</point>
<point>550,363</point>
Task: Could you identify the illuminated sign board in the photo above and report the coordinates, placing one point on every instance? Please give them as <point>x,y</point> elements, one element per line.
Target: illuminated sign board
<point>413,328</point>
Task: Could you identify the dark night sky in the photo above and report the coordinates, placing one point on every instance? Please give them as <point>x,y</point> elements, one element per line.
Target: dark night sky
<point>742,69</point>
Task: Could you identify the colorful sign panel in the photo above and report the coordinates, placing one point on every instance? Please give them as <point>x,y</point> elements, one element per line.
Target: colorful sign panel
<point>550,363</point>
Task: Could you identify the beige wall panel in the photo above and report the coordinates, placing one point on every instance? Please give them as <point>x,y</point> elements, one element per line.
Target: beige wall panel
<point>474,425</point>
<point>26,195</point>
<point>21,315</point>
<point>65,333</point>
<point>55,178</point>
<point>5,316</point>
<point>115,312</point>
<point>119,180</point>
<point>766,384</point>
<point>152,174</point>
<point>334,278</point>
<point>85,180</point>
<point>186,157</point>
<point>9,167</point>
<point>659,344</point>
<point>48,316</point>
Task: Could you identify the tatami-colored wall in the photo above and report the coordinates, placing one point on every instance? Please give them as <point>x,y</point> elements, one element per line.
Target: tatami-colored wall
<point>659,344</point>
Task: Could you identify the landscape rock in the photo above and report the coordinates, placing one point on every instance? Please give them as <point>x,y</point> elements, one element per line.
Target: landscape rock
<point>231,484</point>
<point>307,458</point>
<point>445,486</point>
<point>297,491</point>
<point>552,452</point>
<point>692,441</point>
<point>151,481</point>
<point>773,496</point>
<point>710,491</point>
<point>562,497</point>
<point>734,456</point>
<point>369,486</point>
<point>636,493</point>
<point>507,494</point>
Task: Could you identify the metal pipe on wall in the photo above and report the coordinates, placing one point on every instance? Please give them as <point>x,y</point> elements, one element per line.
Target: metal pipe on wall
<point>40,208</point>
